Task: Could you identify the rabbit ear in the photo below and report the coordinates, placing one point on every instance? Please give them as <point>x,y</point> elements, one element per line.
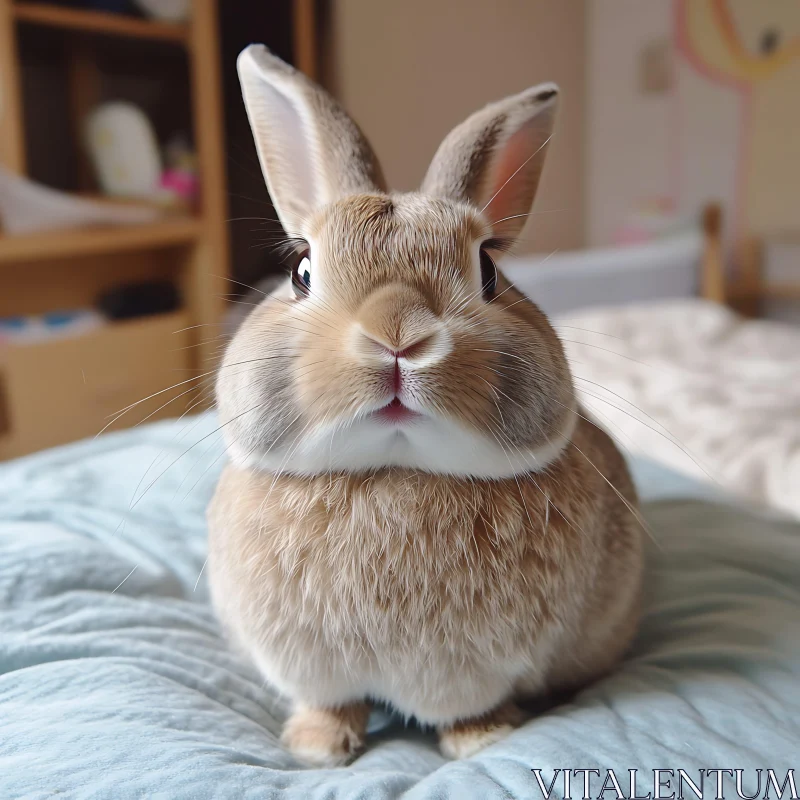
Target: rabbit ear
<point>494,159</point>
<point>311,152</point>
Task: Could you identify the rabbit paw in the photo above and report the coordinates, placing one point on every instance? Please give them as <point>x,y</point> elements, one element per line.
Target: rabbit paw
<point>326,737</point>
<point>467,737</point>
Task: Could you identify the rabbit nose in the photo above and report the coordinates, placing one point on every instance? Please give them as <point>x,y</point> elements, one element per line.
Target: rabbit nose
<point>416,349</point>
<point>397,322</point>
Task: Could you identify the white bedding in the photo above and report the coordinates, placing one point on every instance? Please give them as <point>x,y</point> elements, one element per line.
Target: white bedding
<point>691,384</point>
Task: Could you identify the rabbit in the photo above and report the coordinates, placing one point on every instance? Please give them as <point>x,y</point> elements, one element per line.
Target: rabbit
<point>415,511</point>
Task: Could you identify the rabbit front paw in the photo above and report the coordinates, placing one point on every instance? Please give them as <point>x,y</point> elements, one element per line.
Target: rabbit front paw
<point>466,737</point>
<point>326,737</point>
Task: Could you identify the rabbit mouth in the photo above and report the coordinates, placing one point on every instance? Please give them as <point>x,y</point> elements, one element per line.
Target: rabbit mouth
<point>396,413</point>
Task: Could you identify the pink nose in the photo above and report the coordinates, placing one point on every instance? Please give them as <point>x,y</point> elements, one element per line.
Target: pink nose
<point>409,350</point>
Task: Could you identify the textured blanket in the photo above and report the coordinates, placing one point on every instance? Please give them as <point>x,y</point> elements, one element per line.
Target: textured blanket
<point>115,683</point>
<point>695,386</point>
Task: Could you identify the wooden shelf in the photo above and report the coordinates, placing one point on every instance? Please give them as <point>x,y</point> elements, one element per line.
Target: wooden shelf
<point>97,374</point>
<point>89,241</point>
<point>103,371</point>
<point>101,22</point>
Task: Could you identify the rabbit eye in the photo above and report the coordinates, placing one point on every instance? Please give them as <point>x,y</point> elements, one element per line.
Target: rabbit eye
<point>301,275</point>
<point>488,274</point>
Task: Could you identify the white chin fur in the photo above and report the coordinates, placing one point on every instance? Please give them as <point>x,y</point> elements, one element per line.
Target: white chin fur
<point>428,444</point>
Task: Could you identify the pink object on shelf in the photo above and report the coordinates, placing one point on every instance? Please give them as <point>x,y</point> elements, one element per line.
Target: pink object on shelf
<point>632,234</point>
<point>653,218</point>
<point>182,183</point>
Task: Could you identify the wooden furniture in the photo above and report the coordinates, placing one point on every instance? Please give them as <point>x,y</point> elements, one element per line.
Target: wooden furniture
<point>60,390</point>
<point>768,269</point>
<point>764,268</point>
<point>306,57</point>
<point>712,272</point>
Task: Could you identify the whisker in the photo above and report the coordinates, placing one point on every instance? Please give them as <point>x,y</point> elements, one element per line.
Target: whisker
<point>529,476</point>
<point>216,430</point>
<point>616,353</point>
<point>175,438</point>
<point>514,173</point>
<point>557,325</point>
<point>252,200</point>
<point>256,219</point>
<point>125,578</point>
<point>634,511</point>
<point>119,414</point>
<point>667,436</point>
<point>202,569</point>
<point>164,405</point>
<point>238,302</point>
<point>200,325</point>
<point>531,213</point>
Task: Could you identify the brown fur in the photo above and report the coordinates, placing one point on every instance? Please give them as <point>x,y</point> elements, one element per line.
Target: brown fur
<point>487,549</point>
<point>395,571</point>
<point>327,736</point>
<point>398,274</point>
<point>466,737</point>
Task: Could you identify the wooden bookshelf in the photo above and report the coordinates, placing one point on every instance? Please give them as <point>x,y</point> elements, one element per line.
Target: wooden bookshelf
<point>100,22</point>
<point>90,241</point>
<point>119,364</point>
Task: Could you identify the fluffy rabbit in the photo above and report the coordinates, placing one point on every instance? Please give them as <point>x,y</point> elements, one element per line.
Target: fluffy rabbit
<point>416,511</point>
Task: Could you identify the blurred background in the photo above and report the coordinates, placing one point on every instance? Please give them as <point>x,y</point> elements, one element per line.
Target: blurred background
<point>134,217</point>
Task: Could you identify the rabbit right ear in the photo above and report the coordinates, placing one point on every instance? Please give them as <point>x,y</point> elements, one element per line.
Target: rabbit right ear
<point>494,159</point>
<point>311,152</point>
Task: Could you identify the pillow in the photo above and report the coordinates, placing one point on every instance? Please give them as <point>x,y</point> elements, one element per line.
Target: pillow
<point>609,276</point>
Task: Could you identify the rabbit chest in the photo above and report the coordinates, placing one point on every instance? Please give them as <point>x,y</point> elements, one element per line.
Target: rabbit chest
<point>380,585</point>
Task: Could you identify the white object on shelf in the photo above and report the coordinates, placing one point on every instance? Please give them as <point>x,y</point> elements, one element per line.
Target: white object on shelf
<point>124,150</point>
<point>28,207</point>
<point>167,10</point>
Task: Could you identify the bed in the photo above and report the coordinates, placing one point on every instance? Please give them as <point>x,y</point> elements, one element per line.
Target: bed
<point>698,387</point>
<point>116,683</point>
<point>664,361</point>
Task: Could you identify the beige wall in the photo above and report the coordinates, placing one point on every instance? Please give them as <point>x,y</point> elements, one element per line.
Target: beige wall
<point>409,71</point>
<point>628,131</point>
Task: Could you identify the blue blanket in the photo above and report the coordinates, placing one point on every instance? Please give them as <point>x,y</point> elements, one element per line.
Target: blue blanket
<point>115,683</point>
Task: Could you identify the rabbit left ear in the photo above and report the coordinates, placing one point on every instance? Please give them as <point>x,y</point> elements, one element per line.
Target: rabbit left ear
<point>494,159</point>
<point>311,151</point>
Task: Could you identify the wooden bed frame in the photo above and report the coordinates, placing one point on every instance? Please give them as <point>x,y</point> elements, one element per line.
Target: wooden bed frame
<point>746,287</point>
<point>713,285</point>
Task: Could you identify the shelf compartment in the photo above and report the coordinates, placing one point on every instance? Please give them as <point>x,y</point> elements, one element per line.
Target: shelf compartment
<point>101,22</point>
<point>65,389</point>
<point>91,241</point>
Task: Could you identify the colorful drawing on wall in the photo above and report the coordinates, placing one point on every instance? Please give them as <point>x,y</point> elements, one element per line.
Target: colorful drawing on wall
<point>751,48</point>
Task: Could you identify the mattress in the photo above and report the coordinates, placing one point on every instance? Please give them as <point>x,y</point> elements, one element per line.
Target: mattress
<point>116,683</point>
